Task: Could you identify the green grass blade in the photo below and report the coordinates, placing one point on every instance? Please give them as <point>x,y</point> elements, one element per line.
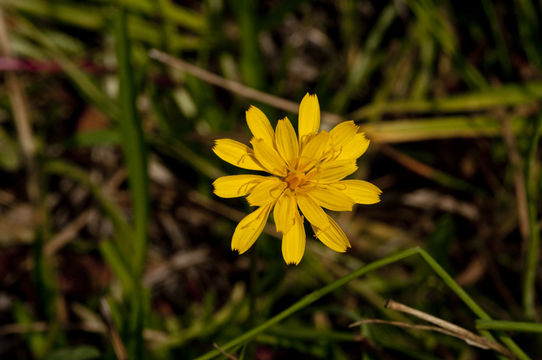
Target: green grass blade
<point>90,15</point>
<point>529,30</point>
<point>498,36</point>
<point>362,65</point>
<point>309,299</point>
<point>134,146</point>
<point>80,15</point>
<point>135,155</point>
<point>183,17</point>
<point>315,295</point>
<point>506,95</point>
<point>437,128</point>
<point>533,247</point>
<point>116,261</point>
<point>250,61</point>
<point>509,326</point>
<point>438,27</point>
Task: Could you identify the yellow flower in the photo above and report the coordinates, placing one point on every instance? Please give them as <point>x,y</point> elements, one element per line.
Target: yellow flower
<point>306,173</point>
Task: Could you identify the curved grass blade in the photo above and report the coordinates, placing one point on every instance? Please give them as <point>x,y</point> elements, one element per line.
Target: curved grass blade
<point>315,295</point>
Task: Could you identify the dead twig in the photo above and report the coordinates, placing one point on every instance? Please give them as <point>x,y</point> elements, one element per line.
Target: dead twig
<point>229,356</point>
<point>234,86</point>
<point>67,233</point>
<point>408,162</point>
<point>442,326</point>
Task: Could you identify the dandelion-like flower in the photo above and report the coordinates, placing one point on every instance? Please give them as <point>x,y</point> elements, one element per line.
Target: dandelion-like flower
<point>305,173</point>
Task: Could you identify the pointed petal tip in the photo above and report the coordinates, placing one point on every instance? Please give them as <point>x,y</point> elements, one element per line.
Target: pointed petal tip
<point>292,262</point>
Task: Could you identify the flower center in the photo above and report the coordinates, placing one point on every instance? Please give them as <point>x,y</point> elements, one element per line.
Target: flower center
<point>294,179</point>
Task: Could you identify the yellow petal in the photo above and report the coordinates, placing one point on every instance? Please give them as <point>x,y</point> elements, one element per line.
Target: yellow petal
<point>293,242</point>
<point>268,157</point>
<point>286,141</point>
<point>331,198</point>
<point>362,192</point>
<point>266,192</point>
<point>284,211</point>
<point>312,211</point>
<point>333,171</point>
<point>259,125</point>
<point>355,147</point>
<point>332,236</point>
<point>313,150</point>
<point>249,228</point>
<point>236,185</point>
<point>236,154</point>
<point>309,118</point>
<point>343,132</point>
<point>341,135</point>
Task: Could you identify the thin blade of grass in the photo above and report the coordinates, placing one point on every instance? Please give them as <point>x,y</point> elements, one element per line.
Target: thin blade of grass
<point>135,155</point>
<point>317,294</point>
<point>498,36</point>
<point>134,146</point>
<point>506,95</point>
<point>361,66</point>
<point>428,12</point>
<point>90,15</point>
<point>501,325</point>
<point>533,242</point>
<point>437,128</point>
<point>116,261</point>
<point>529,30</point>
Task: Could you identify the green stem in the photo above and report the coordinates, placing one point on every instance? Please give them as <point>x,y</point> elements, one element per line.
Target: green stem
<point>315,295</point>
<point>253,295</point>
<point>135,155</point>
<point>509,326</point>
<point>533,246</point>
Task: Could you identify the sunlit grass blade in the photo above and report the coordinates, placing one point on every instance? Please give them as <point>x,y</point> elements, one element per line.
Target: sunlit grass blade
<point>90,15</point>
<point>437,128</point>
<point>179,15</point>
<point>510,94</point>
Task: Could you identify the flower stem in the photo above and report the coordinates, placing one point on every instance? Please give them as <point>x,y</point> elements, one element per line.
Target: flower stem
<point>253,295</point>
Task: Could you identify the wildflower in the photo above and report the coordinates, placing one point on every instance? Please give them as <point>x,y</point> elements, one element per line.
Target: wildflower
<point>306,173</point>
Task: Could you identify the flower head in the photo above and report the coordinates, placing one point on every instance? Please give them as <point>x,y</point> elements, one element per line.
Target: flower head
<point>306,173</point>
